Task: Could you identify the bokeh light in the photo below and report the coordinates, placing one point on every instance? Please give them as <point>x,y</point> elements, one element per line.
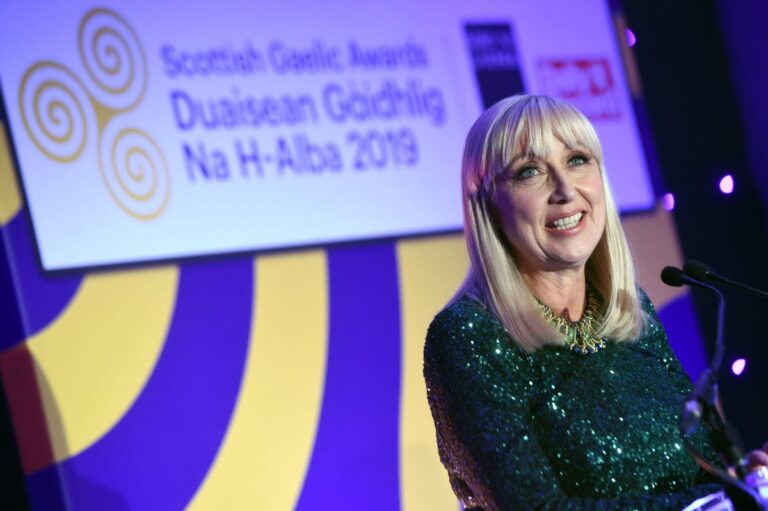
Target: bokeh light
<point>738,366</point>
<point>726,184</point>
<point>631,39</point>
<point>668,201</point>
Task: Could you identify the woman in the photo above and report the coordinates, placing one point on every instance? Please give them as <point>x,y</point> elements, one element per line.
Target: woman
<point>550,378</point>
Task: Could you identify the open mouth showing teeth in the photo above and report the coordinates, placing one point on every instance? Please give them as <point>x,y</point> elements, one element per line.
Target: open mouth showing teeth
<point>568,222</point>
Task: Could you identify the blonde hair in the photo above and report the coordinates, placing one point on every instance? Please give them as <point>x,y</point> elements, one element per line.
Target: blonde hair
<point>527,124</point>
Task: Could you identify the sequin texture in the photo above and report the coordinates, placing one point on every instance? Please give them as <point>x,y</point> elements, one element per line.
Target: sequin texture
<point>555,429</point>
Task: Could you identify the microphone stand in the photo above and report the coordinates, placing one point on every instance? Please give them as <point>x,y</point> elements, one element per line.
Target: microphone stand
<point>701,407</point>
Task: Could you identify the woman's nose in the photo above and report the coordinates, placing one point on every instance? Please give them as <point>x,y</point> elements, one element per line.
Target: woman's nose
<point>563,190</point>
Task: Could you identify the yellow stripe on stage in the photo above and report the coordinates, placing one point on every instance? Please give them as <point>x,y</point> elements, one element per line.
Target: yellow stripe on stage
<point>430,271</point>
<point>266,452</point>
<point>93,360</point>
<point>10,198</point>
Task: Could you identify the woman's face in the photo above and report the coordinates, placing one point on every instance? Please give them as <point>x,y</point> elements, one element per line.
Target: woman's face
<point>552,209</point>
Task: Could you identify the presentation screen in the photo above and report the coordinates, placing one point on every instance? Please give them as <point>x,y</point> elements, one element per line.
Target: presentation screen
<point>147,131</point>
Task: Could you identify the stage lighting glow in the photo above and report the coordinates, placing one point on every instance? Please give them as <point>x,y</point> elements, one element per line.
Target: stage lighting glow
<point>738,366</point>
<point>668,201</point>
<point>726,184</point>
<point>631,39</point>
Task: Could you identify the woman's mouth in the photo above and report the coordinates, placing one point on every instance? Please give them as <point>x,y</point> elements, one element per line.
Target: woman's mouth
<point>569,222</point>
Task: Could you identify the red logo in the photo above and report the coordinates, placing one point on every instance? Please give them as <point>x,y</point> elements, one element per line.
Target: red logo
<point>587,84</point>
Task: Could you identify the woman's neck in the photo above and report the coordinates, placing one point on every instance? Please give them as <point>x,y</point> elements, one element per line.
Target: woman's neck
<point>562,291</point>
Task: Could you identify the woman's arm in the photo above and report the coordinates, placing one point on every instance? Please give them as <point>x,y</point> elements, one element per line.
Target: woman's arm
<point>658,342</point>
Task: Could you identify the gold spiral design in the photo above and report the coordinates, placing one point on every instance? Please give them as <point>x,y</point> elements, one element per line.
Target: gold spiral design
<point>51,101</point>
<point>136,174</point>
<point>60,111</point>
<point>113,58</point>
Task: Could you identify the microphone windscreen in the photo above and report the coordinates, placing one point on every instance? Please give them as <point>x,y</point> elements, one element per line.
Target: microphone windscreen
<point>672,276</point>
<point>697,270</point>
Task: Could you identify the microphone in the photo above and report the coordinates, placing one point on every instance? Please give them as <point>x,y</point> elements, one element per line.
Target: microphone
<point>702,272</point>
<point>675,277</point>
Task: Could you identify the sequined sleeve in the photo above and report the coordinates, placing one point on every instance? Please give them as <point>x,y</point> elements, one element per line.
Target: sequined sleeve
<point>512,434</point>
<point>659,344</point>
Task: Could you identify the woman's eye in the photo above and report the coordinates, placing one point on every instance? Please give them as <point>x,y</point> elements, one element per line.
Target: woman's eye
<point>526,173</point>
<point>578,159</point>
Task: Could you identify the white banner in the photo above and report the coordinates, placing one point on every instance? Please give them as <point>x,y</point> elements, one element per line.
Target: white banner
<point>157,130</point>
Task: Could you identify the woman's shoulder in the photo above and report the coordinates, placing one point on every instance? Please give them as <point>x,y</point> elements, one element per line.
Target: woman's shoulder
<point>653,335</point>
<point>464,314</point>
<point>645,301</point>
<point>651,321</point>
<point>465,328</point>
<point>463,307</point>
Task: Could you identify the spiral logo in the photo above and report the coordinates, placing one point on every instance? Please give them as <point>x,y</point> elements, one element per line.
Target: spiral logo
<point>134,170</point>
<point>113,59</point>
<point>55,111</point>
<point>60,112</point>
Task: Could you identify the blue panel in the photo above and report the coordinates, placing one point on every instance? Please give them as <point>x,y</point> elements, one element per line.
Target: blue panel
<point>355,460</point>
<point>679,318</point>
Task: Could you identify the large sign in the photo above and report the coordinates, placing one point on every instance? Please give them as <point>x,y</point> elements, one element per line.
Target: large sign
<point>158,130</point>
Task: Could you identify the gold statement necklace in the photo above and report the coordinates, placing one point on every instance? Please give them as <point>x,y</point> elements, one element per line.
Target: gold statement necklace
<point>580,336</point>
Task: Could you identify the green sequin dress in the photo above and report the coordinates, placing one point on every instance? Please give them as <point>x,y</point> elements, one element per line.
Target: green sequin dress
<point>556,429</point>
